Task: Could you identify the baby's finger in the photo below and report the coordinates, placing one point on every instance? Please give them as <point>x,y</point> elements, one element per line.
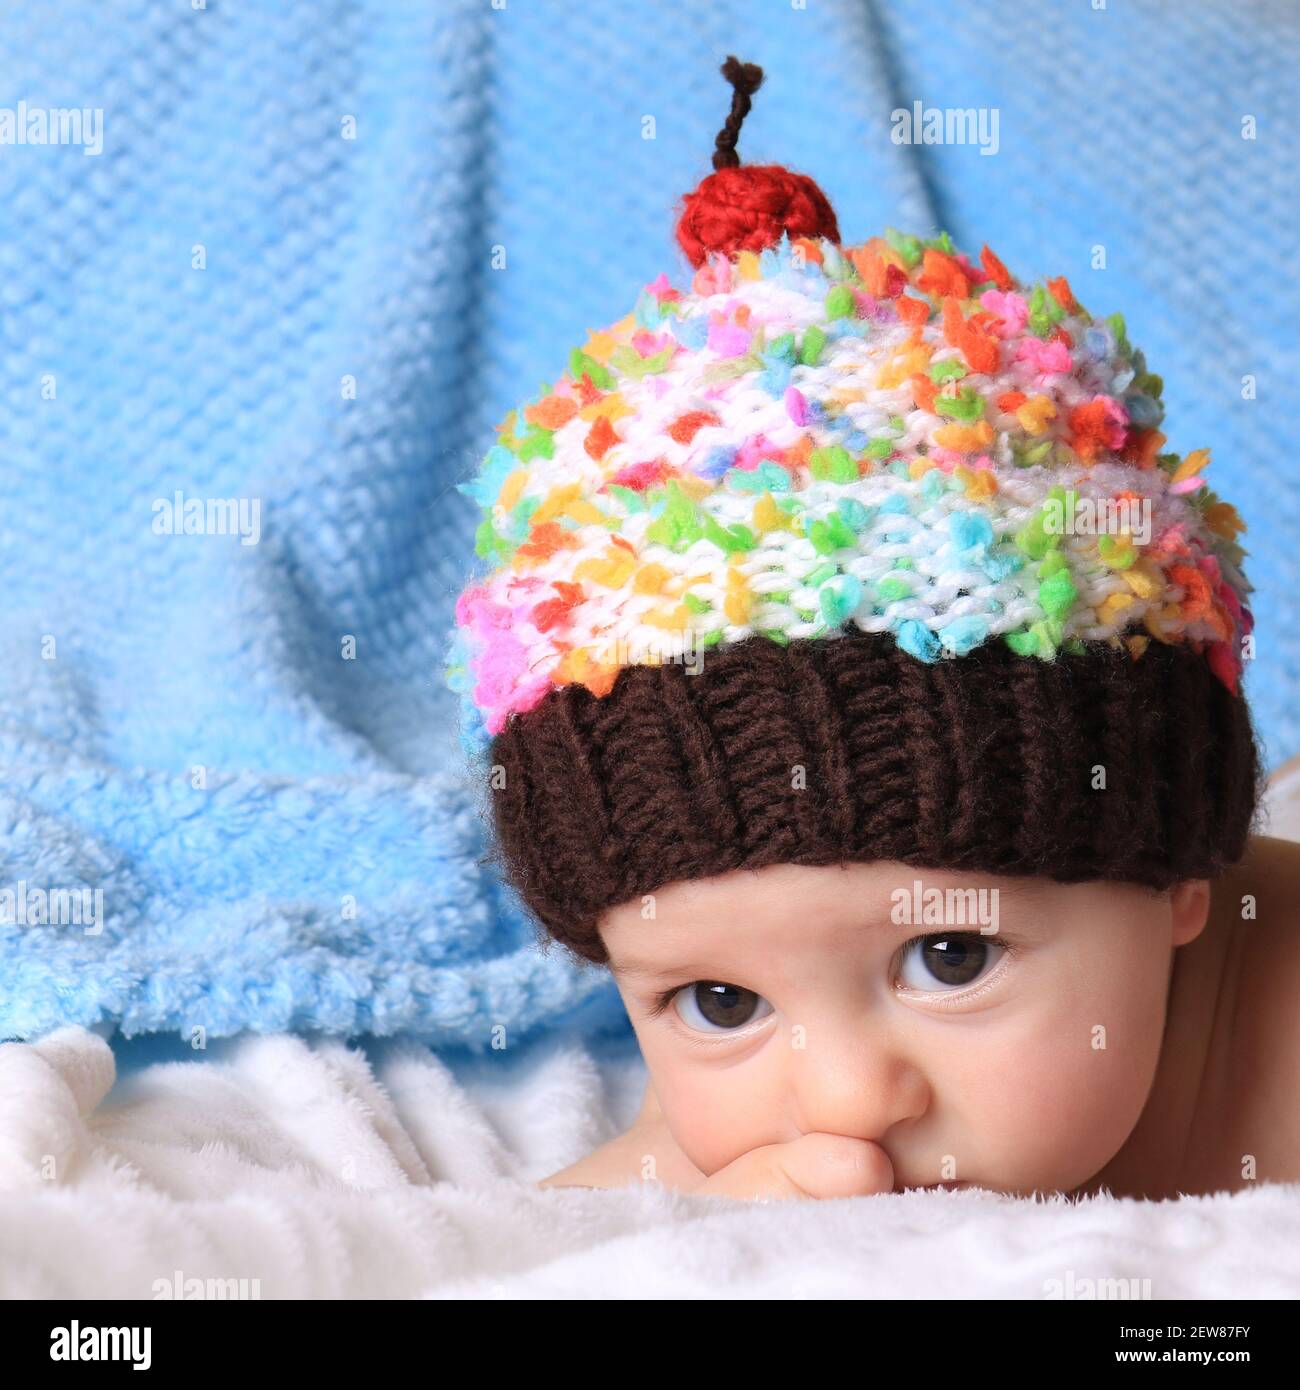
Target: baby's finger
<point>814,1165</point>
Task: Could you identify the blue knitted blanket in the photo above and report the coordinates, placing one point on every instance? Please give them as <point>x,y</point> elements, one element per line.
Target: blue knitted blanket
<point>252,342</point>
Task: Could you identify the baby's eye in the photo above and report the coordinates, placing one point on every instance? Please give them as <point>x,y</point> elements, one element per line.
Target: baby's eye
<point>940,962</point>
<point>714,1007</point>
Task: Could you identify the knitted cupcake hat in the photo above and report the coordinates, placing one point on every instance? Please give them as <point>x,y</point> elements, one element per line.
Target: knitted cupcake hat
<point>850,552</point>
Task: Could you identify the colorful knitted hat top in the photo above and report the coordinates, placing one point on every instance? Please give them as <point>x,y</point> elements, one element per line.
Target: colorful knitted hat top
<point>806,439</point>
<point>888,435</point>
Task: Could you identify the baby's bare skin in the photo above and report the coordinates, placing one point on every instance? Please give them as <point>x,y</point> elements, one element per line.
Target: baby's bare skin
<point>1228,1087</point>
<point>815,1165</point>
<point>1223,1096</point>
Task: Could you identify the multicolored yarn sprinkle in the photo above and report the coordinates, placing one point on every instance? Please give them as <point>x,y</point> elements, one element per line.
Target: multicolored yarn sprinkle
<point>888,435</point>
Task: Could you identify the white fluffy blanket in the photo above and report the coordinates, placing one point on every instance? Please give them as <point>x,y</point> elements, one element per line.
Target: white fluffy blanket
<point>305,1171</point>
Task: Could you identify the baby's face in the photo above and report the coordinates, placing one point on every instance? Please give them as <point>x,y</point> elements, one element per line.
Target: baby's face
<point>792,1000</point>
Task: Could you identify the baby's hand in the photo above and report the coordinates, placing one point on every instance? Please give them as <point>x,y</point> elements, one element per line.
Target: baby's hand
<point>814,1165</point>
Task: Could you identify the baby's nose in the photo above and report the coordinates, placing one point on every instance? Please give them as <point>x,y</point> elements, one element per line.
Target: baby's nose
<point>857,1089</point>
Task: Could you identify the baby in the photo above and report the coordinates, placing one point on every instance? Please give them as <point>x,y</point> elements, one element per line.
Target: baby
<point>859,682</point>
<point>1099,1039</point>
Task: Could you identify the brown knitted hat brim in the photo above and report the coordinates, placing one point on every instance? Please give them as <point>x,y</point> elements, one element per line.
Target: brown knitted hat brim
<point>850,750</point>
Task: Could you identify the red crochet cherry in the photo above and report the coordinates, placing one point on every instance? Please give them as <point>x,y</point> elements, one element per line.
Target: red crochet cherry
<point>748,207</point>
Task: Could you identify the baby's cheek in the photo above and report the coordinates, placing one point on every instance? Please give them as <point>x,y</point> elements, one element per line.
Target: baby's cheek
<point>716,1114</point>
<point>1076,1099</point>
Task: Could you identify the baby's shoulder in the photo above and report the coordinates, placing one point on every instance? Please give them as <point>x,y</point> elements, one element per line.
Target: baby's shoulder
<point>1261,1030</point>
<point>1264,887</point>
<point>1258,903</point>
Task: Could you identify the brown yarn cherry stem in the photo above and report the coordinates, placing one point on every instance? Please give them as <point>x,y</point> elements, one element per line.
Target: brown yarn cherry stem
<point>746,78</point>
<point>749,207</point>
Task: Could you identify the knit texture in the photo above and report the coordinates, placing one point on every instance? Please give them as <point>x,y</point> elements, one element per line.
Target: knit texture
<point>748,209</point>
<point>1086,767</point>
<point>889,434</point>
